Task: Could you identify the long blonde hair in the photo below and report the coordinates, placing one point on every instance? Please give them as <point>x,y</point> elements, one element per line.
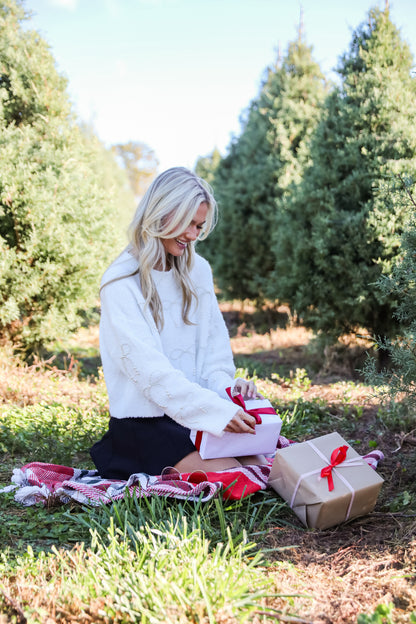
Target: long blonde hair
<point>165,211</point>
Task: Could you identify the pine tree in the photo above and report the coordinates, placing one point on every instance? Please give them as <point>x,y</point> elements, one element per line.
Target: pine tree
<point>57,211</point>
<point>205,168</point>
<point>269,154</point>
<point>339,231</point>
<point>398,381</point>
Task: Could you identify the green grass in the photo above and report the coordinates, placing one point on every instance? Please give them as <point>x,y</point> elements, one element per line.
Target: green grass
<point>138,559</point>
<point>383,614</point>
<point>51,433</point>
<point>146,560</point>
<point>38,527</point>
<point>168,576</point>
<point>217,519</point>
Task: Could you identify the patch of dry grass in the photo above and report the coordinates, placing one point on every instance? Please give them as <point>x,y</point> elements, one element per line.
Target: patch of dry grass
<point>43,382</point>
<point>348,571</point>
<point>275,339</point>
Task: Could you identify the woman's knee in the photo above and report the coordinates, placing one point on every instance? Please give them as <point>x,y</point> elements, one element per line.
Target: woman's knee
<point>194,461</point>
<point>253,460</point>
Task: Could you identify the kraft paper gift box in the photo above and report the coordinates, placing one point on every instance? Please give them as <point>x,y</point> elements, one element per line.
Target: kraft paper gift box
<point>241,444</point>
<point>303,475</point>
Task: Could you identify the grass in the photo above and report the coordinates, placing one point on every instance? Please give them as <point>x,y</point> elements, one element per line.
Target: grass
<point>160,560</point>
<point>169,575</point>
<point>218,520</point>
<point>52,433</point>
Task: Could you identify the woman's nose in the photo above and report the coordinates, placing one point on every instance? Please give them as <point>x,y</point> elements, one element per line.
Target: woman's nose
<point>191,232</point>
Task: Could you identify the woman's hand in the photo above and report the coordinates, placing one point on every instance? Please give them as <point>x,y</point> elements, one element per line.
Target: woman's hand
<point>241,423</point>
<point>246,388</point>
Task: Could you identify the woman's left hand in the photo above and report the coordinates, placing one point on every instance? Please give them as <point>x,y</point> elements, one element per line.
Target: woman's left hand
<point>246,388</point>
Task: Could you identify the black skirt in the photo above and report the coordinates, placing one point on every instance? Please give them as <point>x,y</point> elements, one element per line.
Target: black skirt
<point>140,445</point>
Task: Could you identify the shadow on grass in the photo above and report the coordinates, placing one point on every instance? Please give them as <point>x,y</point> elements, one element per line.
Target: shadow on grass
<point>250,318</point>
<point>320,367</point>
<point>282,361</point>
<point>84,363</point>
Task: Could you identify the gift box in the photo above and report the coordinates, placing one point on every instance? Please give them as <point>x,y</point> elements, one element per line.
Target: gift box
<point>268,425</point>
<point>325,481</point>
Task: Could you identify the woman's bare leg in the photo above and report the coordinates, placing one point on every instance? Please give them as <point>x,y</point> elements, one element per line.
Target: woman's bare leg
<point>194,461</point>
<point>250,460</point>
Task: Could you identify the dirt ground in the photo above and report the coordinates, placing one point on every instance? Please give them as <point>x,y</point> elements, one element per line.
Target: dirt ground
<point>352,568</point>
<point>341,572</point>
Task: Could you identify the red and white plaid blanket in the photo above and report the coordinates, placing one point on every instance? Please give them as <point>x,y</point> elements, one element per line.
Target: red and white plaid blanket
<point>50,483</point>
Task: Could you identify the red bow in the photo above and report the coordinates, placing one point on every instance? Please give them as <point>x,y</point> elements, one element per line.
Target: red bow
<point>239,400</point>
<point>338,455</point>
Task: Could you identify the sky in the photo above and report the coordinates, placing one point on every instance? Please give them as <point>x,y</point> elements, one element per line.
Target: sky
<point>178,75</point>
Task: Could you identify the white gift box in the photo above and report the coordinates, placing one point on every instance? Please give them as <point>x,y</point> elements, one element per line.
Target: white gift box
<point>241,444</point>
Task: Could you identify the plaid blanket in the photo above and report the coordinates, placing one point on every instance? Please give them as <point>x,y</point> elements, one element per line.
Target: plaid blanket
<point>51,484</point>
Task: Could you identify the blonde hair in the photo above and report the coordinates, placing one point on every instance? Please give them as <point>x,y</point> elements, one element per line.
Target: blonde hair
<point>165,211</point>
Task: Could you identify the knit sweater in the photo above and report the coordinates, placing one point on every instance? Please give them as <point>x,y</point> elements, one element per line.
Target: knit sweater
<point>181,371</point>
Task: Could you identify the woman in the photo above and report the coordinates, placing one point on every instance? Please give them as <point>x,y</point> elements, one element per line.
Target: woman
<point>164,346</point>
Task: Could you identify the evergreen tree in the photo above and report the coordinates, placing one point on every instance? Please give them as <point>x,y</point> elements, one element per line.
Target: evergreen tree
<point>57,211</point>
<point>269,154</point>
<point>205,168</point>
<point>339,231</point>
<point>399,379</point>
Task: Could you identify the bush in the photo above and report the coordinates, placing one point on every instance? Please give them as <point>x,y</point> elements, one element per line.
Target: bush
<point>398,380</point>
<point>57,207</point>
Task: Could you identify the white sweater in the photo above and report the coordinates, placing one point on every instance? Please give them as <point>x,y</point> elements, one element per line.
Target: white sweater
<point>181,371</point>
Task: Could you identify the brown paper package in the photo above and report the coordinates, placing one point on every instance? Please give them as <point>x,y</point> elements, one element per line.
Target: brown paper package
<point>314,504</point>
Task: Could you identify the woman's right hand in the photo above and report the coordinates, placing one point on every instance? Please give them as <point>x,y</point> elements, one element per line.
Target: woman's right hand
<point>241,422</point>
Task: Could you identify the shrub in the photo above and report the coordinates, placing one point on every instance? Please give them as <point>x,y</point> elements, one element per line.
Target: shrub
<point>57,207</point>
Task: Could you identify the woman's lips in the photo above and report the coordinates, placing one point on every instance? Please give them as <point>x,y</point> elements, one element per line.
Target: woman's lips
<point>181,244</point>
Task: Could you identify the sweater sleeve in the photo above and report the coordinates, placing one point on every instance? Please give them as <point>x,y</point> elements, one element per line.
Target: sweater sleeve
<point>129,339</point>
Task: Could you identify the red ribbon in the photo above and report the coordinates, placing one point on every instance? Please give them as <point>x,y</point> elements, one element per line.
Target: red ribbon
<point>239,400</point>
<point>198,440</point>
<point>338,455</point>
